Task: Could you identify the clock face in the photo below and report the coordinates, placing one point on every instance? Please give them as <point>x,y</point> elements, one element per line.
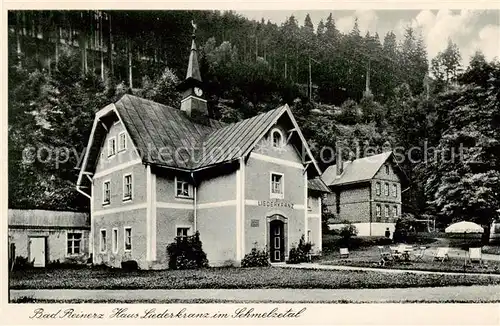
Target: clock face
<point>198,91</point>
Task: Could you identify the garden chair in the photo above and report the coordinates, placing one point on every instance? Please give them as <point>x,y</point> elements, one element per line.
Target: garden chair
<point>396,252</point>
<point>344,253</point>
<point>475,255</point>
<point>385,256</point>
<point>419,256</point>
<point>441,254</point>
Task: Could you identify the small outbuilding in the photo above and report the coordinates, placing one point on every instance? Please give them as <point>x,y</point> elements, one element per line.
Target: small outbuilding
<point>44,236</point>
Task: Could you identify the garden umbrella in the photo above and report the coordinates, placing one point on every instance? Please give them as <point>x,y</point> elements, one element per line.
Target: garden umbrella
<point>464,227</point>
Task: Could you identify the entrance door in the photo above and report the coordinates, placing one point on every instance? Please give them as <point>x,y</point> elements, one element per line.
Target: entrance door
<point>277,241</point>
<point>37,251</point>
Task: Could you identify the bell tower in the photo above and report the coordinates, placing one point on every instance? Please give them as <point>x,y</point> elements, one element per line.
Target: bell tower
<point>193,101</point>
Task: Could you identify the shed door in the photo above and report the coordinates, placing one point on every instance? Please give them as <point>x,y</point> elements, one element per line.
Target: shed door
<point>37,251</point>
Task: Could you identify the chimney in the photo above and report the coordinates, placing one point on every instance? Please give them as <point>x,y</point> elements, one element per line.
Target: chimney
<point>193,101</point>
<point>339,162</point>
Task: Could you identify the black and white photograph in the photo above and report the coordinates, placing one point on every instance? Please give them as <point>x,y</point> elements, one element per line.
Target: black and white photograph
<point>279,157</point>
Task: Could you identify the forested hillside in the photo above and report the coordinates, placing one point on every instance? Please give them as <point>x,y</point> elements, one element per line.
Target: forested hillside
<point>366,92</point>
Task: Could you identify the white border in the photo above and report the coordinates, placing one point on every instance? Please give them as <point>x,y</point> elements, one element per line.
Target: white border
<point>275,160</point>
<point>117,168</point>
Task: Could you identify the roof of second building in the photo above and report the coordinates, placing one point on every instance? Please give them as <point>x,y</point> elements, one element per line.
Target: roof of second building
<point>38,218</point>
<point>317,184</point>
<point>359,170</point>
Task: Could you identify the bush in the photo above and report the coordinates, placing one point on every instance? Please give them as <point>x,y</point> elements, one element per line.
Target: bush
<point>186,253</point>
<point>256,258</point>
<point>22,263</point>
<point>130,265</point>
<point>347,232</point>
<point>300,254</point>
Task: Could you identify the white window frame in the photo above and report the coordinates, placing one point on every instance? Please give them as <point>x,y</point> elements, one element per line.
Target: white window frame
<point>378,188</point>
<point>273,194</point>
<point>386,211</point>
<point>80,246</point>
<point>104,202</point>
<point>282,137</point>
<point>114,240</point>
<point>395,190</point>
<point>395,210</point>
<point>103,245</point>
<point>378,210</point>
<point>122,149</point>
<point>309,203</point>
<point>125,228</point>
<point>111,139</point>
<point>131,186</point>
<point>387,169</point>
<point>188,227</point>
<point>386,189</point>
<point>190,188</point>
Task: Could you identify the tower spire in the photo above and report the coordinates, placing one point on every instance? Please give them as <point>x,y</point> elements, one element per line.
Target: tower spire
<point>193,66</point>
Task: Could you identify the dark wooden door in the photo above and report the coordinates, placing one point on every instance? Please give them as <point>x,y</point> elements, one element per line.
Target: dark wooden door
<point>277,241</point>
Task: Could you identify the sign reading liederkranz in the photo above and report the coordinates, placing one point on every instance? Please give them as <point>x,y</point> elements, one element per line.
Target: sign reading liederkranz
<point>275,203</point>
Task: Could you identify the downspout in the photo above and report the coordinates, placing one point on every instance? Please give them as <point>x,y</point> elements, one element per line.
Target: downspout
<point>82,192</point>
<point>195,203</point>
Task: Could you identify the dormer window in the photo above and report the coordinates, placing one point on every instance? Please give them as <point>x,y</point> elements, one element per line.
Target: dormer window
<point>277,138</point>
<point>387,170</point>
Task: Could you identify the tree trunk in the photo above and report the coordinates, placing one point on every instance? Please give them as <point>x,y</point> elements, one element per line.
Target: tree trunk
<point>129,50</point>
<point>110,48</point>
<point>101,48</point>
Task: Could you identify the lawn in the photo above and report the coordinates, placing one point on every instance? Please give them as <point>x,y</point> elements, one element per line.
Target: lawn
<point>368,255</point>
<point>232,278</point>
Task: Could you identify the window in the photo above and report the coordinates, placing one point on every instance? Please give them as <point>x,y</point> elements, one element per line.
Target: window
<point>277,185</point>
<point>127,187</point>
<point>103,243</point>
<point>379,210</point>
<point>309,206</point>
<point>277,138</point>
<point>386,189</point>
<point>308,236</point>
<point>387,170</point>
<point>111,146</point>
<point>106,193</point>
<point>377,186</point>
<point>182,232</point>
<point>395,190</point>
<point>183,188</point>
<point>122,142</point>
<point>114,240</point>
<point>395,211</point>
<point>74,243</point>
<point>386,211</point>
<point>128,239</point>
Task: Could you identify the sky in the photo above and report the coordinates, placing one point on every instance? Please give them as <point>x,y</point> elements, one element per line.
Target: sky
<point>471,30</point>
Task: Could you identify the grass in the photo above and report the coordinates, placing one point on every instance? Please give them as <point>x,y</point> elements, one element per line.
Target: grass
<point>233,278</point>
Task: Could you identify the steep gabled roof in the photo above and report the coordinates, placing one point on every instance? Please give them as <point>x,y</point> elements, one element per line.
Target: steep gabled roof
<point>166,137</point>
<point>359,170</point>
<point>163,135</point>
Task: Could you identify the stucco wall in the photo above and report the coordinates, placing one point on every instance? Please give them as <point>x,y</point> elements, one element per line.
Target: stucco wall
<point>217,227</point>
<point>56,242</point>
<point>217,188</point>
<point>136,219</point>
<point>167,221</point>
